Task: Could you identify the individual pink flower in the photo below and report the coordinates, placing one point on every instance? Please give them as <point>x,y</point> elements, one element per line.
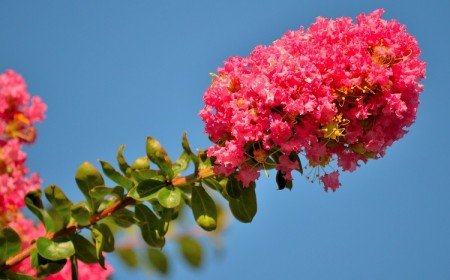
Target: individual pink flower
<point>331,181</point>
<point>36,111</point>
<point>17,113</point>
<point>247,174</point>
<point>286,165</point>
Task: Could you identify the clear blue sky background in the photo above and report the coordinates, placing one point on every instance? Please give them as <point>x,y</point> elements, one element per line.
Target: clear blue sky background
<point>113,72</point>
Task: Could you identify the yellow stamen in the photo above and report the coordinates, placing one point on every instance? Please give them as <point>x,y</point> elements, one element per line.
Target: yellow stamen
<point>334,129</point>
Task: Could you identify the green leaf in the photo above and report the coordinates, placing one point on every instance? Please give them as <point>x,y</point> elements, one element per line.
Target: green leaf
<point>142,175</point>
<point>34,203</point>
<point>84,250</point>
<point>188,150</point>
<point>167,215</point>
<point>99,192</point>
<point>282,182</point>
<point>123,217</point>
<point>151,227</point>
<point>9,275</point>
<point>98,238</point>
<point>34,258</point>
<point>213,184</point>
<point>47,267</point>
<point>146,189</point>
<point>107,237</point>
<point>158,260</point>
<point>59,201</point>
<point>128,256</point>
<point>169,198</point>
<point>204,209</point>
<point>244,208</point>
<point>88,177</point>
<point>10,244</point>
<point>115,176</point>
<point>123,165</point>
<point>185,144</point>
<point>191,250</point>
<point>234,187</point>
<point>118,192</point>
<point>157,154</point>
<point>54,251</point>
<point>81,214</point>
<point>141,163</point>
<point>58,221</point>
<point>182,163</point>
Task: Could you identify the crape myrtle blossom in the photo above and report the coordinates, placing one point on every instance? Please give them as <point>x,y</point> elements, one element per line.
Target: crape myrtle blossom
<point>18,113</point>
<point>339,90</point>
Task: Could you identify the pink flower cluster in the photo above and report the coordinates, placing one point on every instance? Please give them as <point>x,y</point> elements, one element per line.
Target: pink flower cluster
<point>18,113</point>
<point>340,90</point>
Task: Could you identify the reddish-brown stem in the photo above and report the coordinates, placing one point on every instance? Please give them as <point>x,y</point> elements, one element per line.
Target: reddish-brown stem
<point>108,211</point>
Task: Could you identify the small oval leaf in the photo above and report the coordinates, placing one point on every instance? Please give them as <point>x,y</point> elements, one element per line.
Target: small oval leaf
<point>10,244</point>
<point>47,267</point>
<point>191,250</point>
<point>182,163</point>
<point>213,183</point>
<point>54,250</point>
<point>87,178</point>
<point>123,217</point>
<point>84,250</point>
<point>142,175</point>
<point>169,198</point>
<point>115,176</point>
<point>157,154</point>
<point>158,260</point>
<point>141,163</point>
<point>204,209</point>
<point>81,214</point>
<point>245,207</point>
<point>123,165</point>
<point>9,275</point>
<point>102,234</point>
<point>146,189</point>
<point>151,227</point>
<point>34,203</point>
<point>59,201</point>
<point>128,256</point>
<point>234,187</point>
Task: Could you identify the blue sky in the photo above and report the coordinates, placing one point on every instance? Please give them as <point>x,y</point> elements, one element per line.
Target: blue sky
<point>113,72</point>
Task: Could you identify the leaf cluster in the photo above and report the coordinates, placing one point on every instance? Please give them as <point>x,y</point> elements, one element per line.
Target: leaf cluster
<point>151,193</point>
